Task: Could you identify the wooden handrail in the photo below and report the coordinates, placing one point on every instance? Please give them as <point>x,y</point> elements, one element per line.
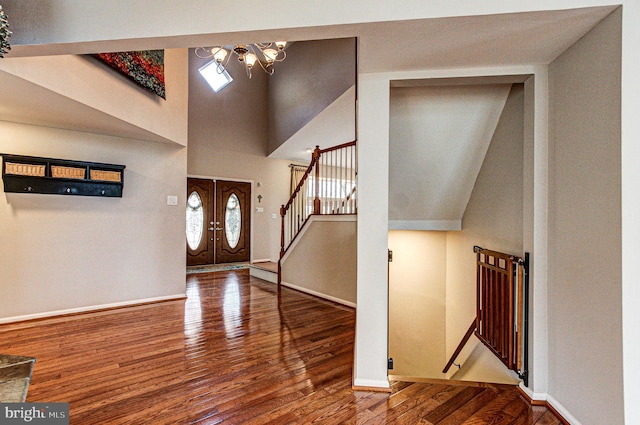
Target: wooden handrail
<point>460,346</point>
<point>328,180</point>
<point>298,204</point>
<point>314,160</point>
<point>335,148</point>
<point>349,196</point>
<point>300,183</point>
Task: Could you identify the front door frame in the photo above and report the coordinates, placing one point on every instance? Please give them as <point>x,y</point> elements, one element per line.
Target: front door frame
<point>251,208</point>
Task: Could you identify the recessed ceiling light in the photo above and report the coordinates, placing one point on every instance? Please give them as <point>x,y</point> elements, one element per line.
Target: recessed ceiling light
<point>216,75</point>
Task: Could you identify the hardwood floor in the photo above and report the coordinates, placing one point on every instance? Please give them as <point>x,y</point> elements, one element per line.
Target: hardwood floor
<point>233,354</point>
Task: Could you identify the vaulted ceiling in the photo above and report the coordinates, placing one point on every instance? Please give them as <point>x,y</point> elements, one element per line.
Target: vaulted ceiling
<point>487,40</point>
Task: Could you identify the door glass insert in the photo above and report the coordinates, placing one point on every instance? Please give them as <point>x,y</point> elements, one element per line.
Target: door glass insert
<point>195,220</point>
<point>232,220</point>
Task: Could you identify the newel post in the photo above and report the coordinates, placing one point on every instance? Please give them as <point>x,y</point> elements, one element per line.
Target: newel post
<point>282,214</point>
<point>316,199</point>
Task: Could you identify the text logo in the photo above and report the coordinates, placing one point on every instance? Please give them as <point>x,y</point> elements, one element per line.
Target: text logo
<point>34,413</point>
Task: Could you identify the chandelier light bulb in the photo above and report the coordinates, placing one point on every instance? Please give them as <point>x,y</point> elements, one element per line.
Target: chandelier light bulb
<point>280,44</point>
<point>250,59</point>
<point>270,55</point>
<point>220,54</point>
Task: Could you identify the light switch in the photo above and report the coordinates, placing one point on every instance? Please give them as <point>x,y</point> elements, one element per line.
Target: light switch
<point>259,209</point>
<point>273,216</point>
<point>172,200</point>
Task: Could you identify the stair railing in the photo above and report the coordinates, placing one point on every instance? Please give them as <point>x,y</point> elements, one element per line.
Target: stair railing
<point>327,187</point>
<point>501,323</point>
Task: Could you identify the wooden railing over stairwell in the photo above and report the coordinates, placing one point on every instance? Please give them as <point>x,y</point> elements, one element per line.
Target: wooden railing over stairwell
<point>327,187</point>
<point>501,309</point>
<point>500,302</point>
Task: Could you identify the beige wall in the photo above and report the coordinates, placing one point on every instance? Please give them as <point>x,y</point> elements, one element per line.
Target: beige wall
<point>72,252</point>
<point>438,137</point>
<point>493,219</point>
<point>323,262</point>
<point>417,302</point>
<point>97,20</point>
<point>585,292</point>
<point>228,140</point>
<point>432,280</point>
<point>62,253</point>
<point>111,103</point>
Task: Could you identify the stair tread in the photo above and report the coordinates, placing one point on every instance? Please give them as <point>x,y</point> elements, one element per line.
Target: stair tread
<point>267,266</point>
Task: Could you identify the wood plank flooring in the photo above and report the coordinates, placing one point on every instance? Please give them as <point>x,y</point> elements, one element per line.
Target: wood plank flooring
<point>233,354</point>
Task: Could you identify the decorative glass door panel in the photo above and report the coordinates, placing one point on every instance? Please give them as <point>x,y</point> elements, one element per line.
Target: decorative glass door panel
<point>233,220</point>
<point>232,243</point>
<point>199,220</point>
<point>195,220</point>
<point>217,221</point>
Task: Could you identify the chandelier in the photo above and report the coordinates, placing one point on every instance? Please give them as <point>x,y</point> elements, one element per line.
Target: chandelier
<point>263,54</point>
<point>4,33</point>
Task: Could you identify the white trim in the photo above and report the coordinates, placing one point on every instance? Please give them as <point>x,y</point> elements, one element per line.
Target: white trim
<point>371,383</point>
<point>310,220</point>
<point>371,342</point>
<point>562,410</point>
<point>267,275</point>
<point>264,260</point>
<point>319,294</point>
<point>198,176</point>
<point>533,396</point>
<point>438,225</point>
<point>91,308</point>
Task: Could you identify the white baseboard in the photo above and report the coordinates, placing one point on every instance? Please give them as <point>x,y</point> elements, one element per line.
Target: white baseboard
<point>562,410</point>
<point>319,294</point>
<point>371,383</point>
<point>90,308</point>
<point>532,396</point>
<point>555,404</point>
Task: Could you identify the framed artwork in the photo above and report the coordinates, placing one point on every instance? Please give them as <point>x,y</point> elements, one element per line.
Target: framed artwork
<point>145,68</point>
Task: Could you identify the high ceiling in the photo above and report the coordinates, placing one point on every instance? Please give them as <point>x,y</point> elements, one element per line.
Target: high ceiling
<point>474,41</point>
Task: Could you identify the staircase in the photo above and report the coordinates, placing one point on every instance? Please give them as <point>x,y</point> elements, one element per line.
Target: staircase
<point>327,192</point>
<point>328,187</point>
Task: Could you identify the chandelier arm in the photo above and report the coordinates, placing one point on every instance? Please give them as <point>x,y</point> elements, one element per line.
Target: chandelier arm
<point>222,66</point>
<point>261,47</point>
<point>202,53</point>
<point>268,69</point>
<point>254,47</point>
